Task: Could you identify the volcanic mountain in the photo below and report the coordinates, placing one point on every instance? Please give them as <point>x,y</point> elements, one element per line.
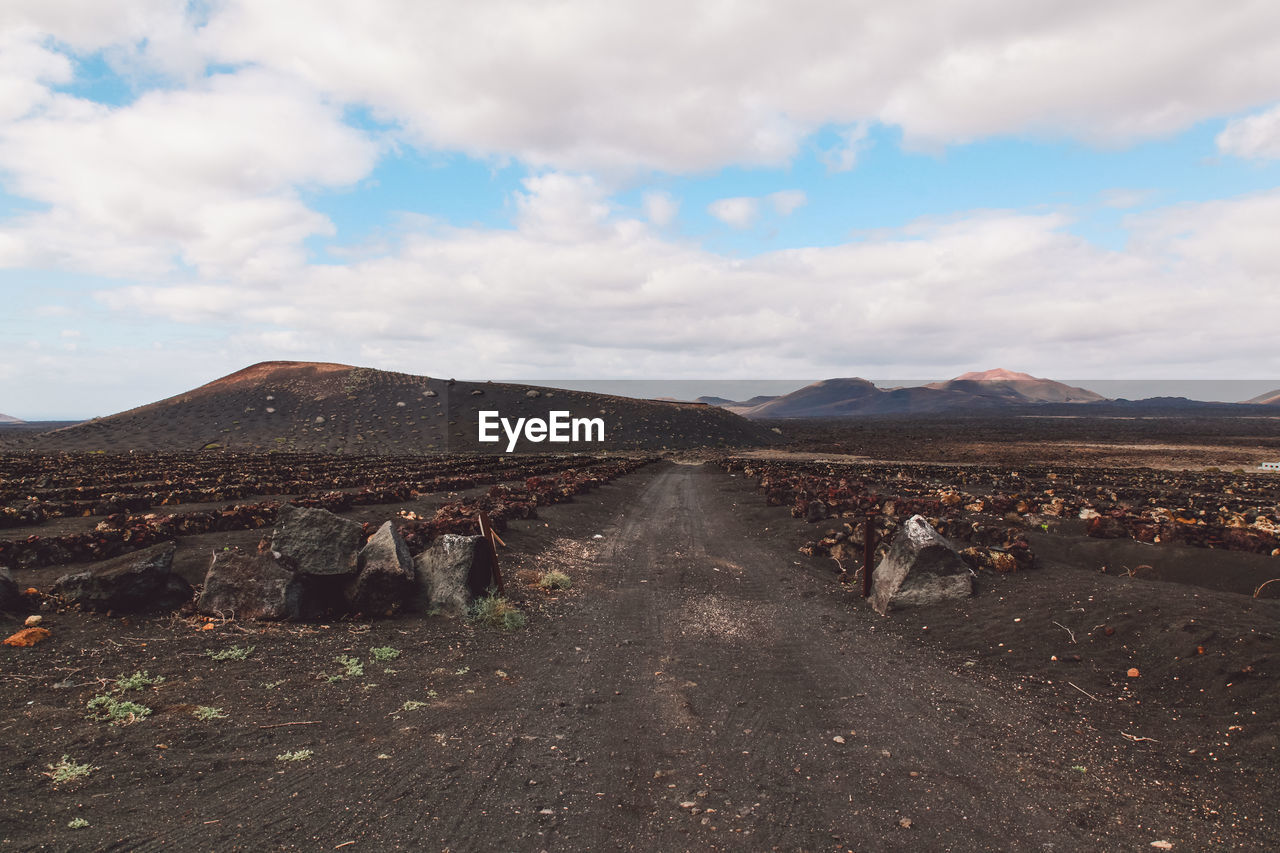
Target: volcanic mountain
<point>6,419</point>
<point>320,407</point>
<point>992,389</point>
<point>1016,388</point>
<point>1271,398</point>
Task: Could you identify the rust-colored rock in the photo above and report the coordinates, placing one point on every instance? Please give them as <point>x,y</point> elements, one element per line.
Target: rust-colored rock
<point>27,637</point>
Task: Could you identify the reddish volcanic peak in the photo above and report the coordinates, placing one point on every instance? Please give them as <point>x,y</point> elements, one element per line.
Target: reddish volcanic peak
<point>999,374</point>
<point>1269,399</point>
<point>271,369</point>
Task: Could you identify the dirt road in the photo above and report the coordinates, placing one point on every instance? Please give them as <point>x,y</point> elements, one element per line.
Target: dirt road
<point>695,691</point>
<point>706,695</point>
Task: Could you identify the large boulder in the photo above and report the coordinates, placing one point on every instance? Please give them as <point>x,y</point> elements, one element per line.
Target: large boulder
<point>921,568</point>
<point>315,541</point>
<point>143,580</point>
<point>385,583</point>
<point>454,570</point>
<point>10,596</point>
<point>252,586</point>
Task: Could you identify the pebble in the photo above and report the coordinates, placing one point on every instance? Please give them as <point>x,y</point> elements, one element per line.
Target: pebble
<point>838,739</point>
<point>33,621</point>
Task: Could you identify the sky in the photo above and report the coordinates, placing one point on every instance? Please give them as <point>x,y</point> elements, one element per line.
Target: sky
<point>634,190</point>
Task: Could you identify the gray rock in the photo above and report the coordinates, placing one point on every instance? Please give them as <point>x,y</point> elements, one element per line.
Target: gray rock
<point>251,586</point>
<point>921,568</point>
<point>316,542</point>
<point>452,571</point>
<point>385,583</point>
<point>10,596</point>
<point>143,580</point>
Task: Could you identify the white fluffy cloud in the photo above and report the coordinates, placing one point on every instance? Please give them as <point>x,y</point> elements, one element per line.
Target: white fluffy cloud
<point>589,86</point>
<point>787,202</point>
<point>27,68</point>
<point>660,208</point>
<point>679,87</point>
<point>207,177</point>
<point>738,212</point>
<point>989,288</point>
<point>1256,136</point>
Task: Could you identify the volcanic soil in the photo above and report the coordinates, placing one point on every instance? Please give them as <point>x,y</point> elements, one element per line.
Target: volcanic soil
<point>701,686</point>
<point>1170,442</point>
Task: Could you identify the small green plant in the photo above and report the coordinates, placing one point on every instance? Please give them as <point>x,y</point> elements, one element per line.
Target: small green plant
<point>232,653</point>
<point>296,755</point>
<point>431,694</point>
<point>272,685</point>
<point>351,668</point>
<point>138,681</point>
<point>462,670</point>
<point>207,712</point>
<point>67,770</point>
<point>497,612</point>
<point>1079,768</point>
<point>382,654</point>
<point>555,580</point>
<point>107,708</point>
<point>412,705</point>
<point>77,823</point>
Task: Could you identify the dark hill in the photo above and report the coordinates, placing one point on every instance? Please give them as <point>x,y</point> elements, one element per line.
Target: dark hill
<point>337,408</point>
<point>835,398</point>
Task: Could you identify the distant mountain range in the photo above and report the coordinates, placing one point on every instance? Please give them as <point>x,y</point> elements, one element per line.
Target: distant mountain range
<point>989,391</point>
<point>6,419</point>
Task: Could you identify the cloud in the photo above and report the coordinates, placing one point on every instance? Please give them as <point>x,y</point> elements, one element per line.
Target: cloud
<point>853,141</point>
<point>561,208</point>
<point>27,68</point>
<point>207,177</point>
<point>618,300</point>
<point>660,208</point>
<point>787,202</point>
<point>591,86</point>
<point>1255,137</point>
<point>739,212</point>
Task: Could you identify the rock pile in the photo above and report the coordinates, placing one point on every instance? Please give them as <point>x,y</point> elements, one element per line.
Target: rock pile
<point>314,567</point>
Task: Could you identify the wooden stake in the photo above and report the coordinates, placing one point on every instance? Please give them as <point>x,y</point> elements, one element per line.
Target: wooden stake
<point>868,553</point>
<point>486,530</point>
